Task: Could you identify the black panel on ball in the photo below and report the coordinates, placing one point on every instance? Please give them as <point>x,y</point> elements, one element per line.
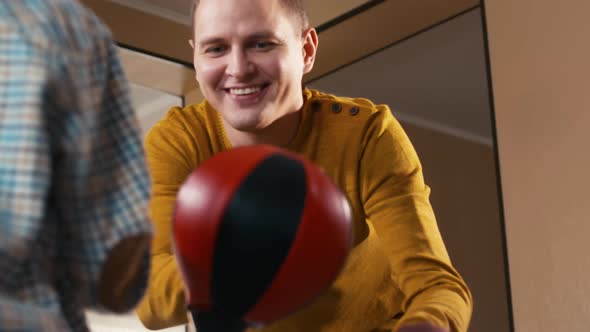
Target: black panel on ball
<point>256,233</point>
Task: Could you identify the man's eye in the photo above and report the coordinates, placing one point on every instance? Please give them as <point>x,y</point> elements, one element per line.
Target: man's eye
<point>264,45</point>
<point>215,50</point>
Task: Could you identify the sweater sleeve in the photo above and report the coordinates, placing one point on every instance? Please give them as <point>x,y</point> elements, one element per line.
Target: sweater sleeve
<point>168,152</point>
<point>396,201</point>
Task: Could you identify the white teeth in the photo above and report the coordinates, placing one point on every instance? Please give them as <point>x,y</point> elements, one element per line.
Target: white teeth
<point>244,91</point>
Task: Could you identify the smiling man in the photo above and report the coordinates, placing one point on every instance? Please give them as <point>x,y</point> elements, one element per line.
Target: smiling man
<point>251,70</point>
<point>250,57</point>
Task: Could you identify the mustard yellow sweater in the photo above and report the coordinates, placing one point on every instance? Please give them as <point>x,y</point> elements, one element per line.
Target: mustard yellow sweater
<point>398,272</point>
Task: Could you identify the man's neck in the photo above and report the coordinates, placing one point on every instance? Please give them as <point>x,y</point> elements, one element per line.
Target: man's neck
<point>280,133</point>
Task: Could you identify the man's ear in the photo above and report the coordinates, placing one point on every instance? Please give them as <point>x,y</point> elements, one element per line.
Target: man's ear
<point>310,47</point>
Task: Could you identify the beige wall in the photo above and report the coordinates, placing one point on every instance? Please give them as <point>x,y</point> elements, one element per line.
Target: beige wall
<point>464,196</point>
<point>540,61</point>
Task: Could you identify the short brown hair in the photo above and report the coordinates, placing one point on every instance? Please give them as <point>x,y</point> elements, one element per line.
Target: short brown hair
<point>294,6</point>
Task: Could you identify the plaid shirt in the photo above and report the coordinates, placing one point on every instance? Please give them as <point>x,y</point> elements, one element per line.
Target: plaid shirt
<point>73,180</point>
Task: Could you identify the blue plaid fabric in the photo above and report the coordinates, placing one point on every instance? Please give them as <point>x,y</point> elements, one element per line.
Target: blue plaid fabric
<point>73,180</point>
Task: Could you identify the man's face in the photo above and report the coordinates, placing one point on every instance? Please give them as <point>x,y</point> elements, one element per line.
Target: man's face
<point>250,57</point>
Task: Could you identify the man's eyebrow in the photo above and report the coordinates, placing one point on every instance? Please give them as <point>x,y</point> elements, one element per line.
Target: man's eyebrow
<point>253,36</point>
<point>262,35</point>
<point>210,40</point>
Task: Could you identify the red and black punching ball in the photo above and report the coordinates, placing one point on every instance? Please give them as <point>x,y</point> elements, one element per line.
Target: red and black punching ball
<point>258,232</point>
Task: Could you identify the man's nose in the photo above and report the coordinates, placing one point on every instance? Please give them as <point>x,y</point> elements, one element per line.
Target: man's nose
<point>239,65</point>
